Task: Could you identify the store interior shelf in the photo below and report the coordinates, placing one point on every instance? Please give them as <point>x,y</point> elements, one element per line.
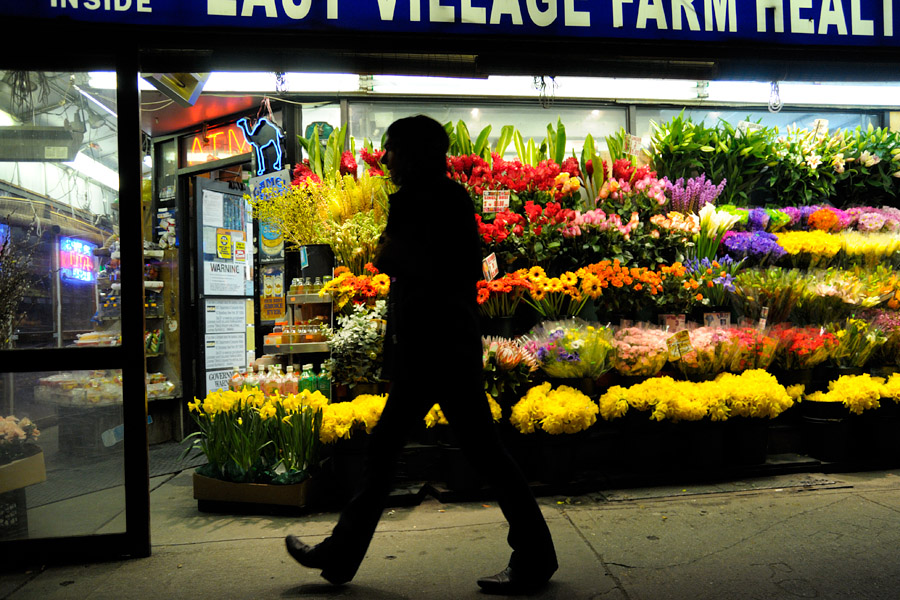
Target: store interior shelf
<point>308,299</point>
<point>306,347</point>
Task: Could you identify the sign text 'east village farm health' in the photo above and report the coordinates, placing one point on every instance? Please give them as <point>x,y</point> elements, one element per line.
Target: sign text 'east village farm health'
<point>831,22</point>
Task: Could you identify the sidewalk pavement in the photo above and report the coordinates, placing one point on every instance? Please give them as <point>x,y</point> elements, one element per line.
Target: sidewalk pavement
<point>812,535</point>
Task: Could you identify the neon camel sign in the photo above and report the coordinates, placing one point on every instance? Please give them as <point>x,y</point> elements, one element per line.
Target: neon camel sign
<point>267,140</point>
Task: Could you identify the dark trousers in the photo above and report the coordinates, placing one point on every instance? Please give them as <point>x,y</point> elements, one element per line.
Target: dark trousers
<point>465,406</point>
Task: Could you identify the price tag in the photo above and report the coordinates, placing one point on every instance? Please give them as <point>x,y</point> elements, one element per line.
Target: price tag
<point>635,145</point>
<point>763,317</point>
<point>717,319</point>
<point>495,201</point>
<point>489,267</point>
<point>673,322</point>
<point>679,345</point>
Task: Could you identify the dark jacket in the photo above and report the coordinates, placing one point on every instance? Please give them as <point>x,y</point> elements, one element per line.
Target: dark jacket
<point>431,250</point>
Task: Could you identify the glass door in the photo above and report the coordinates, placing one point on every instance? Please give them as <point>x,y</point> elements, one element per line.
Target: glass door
<point>71,317</point>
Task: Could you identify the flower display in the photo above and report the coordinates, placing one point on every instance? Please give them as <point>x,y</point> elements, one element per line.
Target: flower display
<point>869,249</point>
<point>15,435</point>
<point>756,248</point>
<point>857,341</point>
<point>714,278</point>
<point>248,437</point>
<point>348,290</point>
<point>856,392</point>
<point>357,345</point>
<point>571,348</point>
<point>752,394</point>
<point>753,349</point>
<point>640,351</point>
<point>555,297</point>
<point>691,196</point>
<point>810,249</point>
<point>802,347</point>
<point>556,411</point>
<point>500,297</point>
<point>508,365</point>
<point>710,352</point>
<point>768,293</point>
<point>713,226</point>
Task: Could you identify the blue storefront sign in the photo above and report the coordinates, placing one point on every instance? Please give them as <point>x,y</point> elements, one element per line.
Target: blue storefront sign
<point>856,23</point>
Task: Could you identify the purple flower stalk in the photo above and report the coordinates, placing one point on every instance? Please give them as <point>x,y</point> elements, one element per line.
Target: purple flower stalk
<point>690,197</point>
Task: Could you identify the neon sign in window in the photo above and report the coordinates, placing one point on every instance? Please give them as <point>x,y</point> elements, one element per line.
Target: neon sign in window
<point>219,143</point>
<point>76,260</point>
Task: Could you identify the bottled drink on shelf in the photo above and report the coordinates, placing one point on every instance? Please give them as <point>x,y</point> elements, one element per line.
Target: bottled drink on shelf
<point>323,383</point>
<point>251,381</point>
<point>276,384</point>
<point>307,379</point>
<point>291,383</point>
<point>236,383</point>
<point>317,285</point>
<point>261,378</point>
<point>308,286</point>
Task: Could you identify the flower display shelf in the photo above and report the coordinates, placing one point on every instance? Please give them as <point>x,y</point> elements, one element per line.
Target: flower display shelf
<point>212,494</point>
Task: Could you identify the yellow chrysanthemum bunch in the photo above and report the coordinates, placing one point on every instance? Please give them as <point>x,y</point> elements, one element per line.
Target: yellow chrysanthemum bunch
<point>340,419</point>
<point>436,416</point>
<point>857,392</point>
<point>563,410</point>
<point>753,393</point>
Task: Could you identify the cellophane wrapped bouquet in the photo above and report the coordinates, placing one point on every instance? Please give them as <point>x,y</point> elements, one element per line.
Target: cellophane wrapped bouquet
<point>640,351</point>
<point>572,348</point>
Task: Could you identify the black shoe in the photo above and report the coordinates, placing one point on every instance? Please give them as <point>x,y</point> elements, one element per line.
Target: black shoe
<point>304,554</point>
<point>508,583</point>
<point>311,556</point>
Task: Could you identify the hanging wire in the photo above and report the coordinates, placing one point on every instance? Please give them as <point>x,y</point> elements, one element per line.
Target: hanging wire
<point>775,102</point>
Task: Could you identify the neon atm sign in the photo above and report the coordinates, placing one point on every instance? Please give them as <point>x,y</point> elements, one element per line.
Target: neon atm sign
<point>216,144</point>
<point>76,260</point>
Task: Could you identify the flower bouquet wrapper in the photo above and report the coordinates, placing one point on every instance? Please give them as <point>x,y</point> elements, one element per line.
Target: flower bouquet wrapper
<point>857,342</point>
<point>572,348</point>
<point>753,348</point>
<point>801,348</point>
<point>640,351</point>
<point>711,352</point>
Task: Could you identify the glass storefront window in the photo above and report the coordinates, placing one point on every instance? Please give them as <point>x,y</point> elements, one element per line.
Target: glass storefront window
<point>61,454</point>
<point>59,203</point>
<point>370,120</point>
<point>782,120</point>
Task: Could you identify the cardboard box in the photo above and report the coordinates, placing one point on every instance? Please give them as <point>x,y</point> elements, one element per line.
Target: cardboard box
<point>207,488</point>
<point>23,472</point>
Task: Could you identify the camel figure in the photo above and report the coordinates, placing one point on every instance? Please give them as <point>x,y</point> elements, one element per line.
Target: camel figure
<point>267,140</point>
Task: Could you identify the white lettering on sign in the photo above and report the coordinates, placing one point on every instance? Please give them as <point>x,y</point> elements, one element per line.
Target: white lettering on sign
<point>107,5</point>
<point>777,8</point>
<point>832,14</point>
<point>888,18</point>
<point>720,11</point>
<point>799,23</point>
<point>542,18</point>
<point>686,7</point>
<point>506,7</point>
<point>439,13</point>
<point>576,18</point>
<point>859,25</point>
<point>650,9</point>
<point>293,9</point>
<point>618,17</point>
<point>472,14</point>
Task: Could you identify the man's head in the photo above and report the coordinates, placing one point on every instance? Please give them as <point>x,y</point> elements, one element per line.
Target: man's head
<point>416,148</point>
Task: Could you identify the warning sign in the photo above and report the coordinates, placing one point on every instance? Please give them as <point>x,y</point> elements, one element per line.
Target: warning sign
<point>223,244</point>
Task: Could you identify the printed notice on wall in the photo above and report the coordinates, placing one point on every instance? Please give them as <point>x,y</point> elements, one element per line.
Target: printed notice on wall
<point>225,316</point>
<point>218,380</point>
<point>225,350</point>
<point>213,209</point>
